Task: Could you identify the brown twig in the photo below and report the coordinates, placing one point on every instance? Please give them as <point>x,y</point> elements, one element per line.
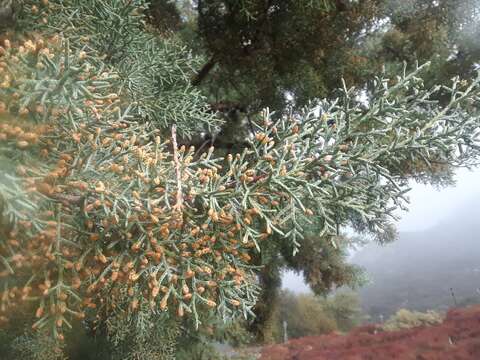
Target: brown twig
<point>202,74</point>
<point>68,200</point>
<point>256,178</point>
<point>178,206</point>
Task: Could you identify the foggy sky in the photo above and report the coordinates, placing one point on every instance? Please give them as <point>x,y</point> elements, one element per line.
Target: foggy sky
<point>428,207</point>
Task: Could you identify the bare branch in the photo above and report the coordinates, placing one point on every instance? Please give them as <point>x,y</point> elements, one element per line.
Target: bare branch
<point>204,71</point>
<point>179,204</point>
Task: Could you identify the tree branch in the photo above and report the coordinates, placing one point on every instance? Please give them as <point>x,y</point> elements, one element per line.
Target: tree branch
<point>204,71</point>
<point>179,204</point>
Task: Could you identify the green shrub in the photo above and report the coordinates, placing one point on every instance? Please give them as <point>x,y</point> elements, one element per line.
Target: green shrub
<point>406,319</point>
<point>307,314</point>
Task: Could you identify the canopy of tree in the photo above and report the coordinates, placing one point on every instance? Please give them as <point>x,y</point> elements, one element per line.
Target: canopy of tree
<point>145,195</point>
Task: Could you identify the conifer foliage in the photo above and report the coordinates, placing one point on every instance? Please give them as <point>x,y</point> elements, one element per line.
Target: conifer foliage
<point>106,219</point>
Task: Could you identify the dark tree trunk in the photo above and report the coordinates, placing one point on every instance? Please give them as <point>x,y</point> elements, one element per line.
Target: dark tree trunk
<point>265,325</point>
<point>7,13</point>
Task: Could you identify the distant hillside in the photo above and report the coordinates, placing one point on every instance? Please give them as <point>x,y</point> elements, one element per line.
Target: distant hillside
<point>418,270</point>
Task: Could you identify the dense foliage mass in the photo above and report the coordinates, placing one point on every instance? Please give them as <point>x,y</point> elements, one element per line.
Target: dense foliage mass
<point>308,315</point>
<point>306,47</point>
<point>113,221</point>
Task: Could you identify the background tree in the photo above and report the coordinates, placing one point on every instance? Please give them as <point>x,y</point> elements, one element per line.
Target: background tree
<point>344,307</point>
<point>305,314</point>
<point>308,315</point>
<point>305,48</point>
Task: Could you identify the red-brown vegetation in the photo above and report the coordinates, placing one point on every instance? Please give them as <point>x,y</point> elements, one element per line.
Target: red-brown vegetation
<point>458,337</point>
